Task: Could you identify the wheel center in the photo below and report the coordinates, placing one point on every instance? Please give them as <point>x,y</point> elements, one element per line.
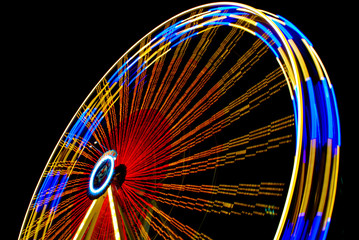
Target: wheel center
<point>120,175</point>
<point>102,174</point>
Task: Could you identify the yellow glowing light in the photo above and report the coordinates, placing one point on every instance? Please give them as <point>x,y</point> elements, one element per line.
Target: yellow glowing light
<point>84,221</point>
<point>113,214</point>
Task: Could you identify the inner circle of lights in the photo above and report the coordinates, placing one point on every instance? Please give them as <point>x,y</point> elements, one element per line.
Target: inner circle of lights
<point>102,174</point>
<point>208,148</point>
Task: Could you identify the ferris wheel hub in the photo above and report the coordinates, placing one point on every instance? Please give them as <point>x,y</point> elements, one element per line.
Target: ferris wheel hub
<point>120,175</point>
<point>102,174</point>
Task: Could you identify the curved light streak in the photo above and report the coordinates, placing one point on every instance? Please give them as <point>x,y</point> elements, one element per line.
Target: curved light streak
<point>104,158</point>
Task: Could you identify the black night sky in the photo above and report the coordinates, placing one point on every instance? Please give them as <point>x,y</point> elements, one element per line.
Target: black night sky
<point>56,53</point>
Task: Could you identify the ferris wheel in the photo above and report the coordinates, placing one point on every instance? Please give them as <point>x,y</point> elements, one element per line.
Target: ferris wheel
<point>219,122</point>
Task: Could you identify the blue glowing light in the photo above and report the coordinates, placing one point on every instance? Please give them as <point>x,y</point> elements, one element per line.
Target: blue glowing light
<point>138,74</point>
<point>115,78</point>
<point>267,43</point>
<point>184,39</point>
<point>221,14</point>
<point>294,102</point>
<point>92,128</point>
<point>80,125</point>
<point>269,33</point>
<point>75,128</point>
<point>217,23</point>
<point>324,232</point>
<point>313,109</point>
<point>61,188</point>
<point>108,157</point>
<point>328,109</point>
<point>49,188</point>
<point>44,188</point>
<point>286,33</point>
<point>289,24</point>
<point>299,227</point>
<point>315,226</point>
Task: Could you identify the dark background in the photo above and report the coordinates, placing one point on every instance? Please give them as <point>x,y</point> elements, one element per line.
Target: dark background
<point>55,53</point>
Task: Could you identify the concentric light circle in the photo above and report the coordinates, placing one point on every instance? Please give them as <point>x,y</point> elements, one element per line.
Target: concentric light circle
<point>102,174</point>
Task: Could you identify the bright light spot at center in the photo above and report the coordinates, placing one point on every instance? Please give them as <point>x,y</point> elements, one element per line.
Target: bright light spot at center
<point>102,174</point>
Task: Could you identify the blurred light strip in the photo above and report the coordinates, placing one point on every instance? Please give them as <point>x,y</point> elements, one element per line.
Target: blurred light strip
<point>113,215</point>
<point>85,220</point>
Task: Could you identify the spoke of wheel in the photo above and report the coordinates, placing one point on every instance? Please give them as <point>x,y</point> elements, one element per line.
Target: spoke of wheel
<point>114,214</point>
<point>119,219</point>
<point>90,219</point>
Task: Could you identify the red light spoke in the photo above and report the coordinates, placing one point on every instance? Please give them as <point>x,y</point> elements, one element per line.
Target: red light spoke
<point>134,209</point>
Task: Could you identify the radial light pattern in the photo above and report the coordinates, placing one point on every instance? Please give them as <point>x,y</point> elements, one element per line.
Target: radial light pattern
<point>221,122</point>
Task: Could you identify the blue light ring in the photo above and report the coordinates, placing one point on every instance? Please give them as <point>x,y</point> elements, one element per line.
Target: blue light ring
<point>269,33</point>
<point>95,193</point>
<point>75,128</point>
<point>52,187</point>
<point>282,28</point>
<point>79,126</point>
<point>322,112</point>
<point>268,44</point>
<point>295,29</point>
<point>41,194</point>
<point>328,109</point>
<point>60,189</point>
<point>313,109</point>
<point>91,129</point>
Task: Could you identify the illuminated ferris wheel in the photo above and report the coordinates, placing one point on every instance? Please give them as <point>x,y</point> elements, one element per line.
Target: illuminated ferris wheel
<point>220,122</point>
